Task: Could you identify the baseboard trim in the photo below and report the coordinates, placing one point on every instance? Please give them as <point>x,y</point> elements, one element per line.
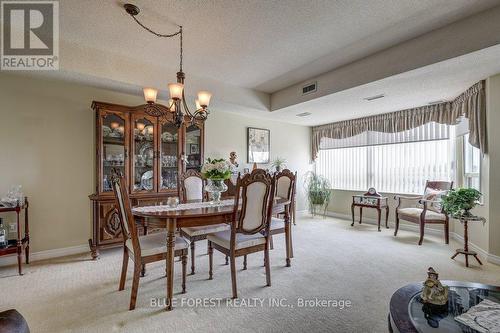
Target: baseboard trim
<point>47,254</point>
<point>491,258</point>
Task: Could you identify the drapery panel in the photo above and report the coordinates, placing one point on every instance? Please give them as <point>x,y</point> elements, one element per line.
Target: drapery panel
<point>427,132</point>
<point>470,104</point>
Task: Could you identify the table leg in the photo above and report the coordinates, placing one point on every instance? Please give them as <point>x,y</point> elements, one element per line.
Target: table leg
<point>171,226</point>
<point>27,232</point>
<point>466,244</point>
<point>378,220</point>
<point>352,213</point>
<point>386,217</point>
<point>360,214</point>
<point>466,237</point>
<point>19,244</point>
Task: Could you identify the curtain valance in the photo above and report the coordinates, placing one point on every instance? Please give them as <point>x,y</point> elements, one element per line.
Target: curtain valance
<point>470,104</point>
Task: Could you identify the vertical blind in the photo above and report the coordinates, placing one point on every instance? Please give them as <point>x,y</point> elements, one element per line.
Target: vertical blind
<point>390,162</point>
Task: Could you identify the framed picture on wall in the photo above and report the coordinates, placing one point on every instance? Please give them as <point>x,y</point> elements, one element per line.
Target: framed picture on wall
<point>258,145</point>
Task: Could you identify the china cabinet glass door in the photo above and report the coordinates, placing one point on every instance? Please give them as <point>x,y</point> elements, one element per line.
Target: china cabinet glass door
<point>143,145</point>
<point>193,149</point>
<point>169,148</point>
<point>114,148</point>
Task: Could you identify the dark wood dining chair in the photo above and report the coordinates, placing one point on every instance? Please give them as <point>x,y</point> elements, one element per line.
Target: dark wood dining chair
<point>192,189</point>
<point>246,236</point>
<point>424,209</point>
<point>285,189</point>
<point>231,189</point>
<point>145,249</point>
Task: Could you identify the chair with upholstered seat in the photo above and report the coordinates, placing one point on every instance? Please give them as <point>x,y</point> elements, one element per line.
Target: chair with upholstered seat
<point>142,249</point>
<point>425,209</point>
<point>285,189</point>
<point>192,189</point>
<point>250,226</point>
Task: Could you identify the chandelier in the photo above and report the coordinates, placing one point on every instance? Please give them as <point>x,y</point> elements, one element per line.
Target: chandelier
<point>177,107</point>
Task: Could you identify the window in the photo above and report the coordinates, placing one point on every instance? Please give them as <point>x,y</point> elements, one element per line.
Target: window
<point>472,165</point>
<point>421,154</point>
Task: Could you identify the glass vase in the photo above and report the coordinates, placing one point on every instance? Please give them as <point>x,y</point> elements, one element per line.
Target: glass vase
<point>215,187</point>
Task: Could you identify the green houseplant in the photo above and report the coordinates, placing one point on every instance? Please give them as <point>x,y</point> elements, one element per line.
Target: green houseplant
<point>279,164</point>
<point>459,202</point>
<point>318,192</point>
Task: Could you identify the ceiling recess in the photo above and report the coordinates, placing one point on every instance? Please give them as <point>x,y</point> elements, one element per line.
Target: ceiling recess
<point>437,102</point>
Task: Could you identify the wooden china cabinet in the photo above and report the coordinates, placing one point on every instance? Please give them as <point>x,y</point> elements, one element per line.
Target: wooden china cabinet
<point>149,151</point>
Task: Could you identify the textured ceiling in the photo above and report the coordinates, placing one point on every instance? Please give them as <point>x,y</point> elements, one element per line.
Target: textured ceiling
<point>441,81</point>
<point>259,44</point>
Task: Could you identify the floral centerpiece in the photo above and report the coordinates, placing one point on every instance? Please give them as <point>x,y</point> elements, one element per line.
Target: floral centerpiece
<point>216,171</point>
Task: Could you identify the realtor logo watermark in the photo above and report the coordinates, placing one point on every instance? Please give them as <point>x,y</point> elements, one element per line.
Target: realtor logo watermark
<point>30,35</point>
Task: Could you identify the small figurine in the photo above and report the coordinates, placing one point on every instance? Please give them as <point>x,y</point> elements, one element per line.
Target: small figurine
<point>434,292</point>
<point>232,158</point>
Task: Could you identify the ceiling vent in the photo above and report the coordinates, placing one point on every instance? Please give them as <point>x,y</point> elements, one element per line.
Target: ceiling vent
<point>310,88</point>
<point>303,114</point>
<point>372,98</point>
<point>437,102</point>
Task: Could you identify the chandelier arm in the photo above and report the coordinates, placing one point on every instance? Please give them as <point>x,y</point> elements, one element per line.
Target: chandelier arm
<point>186,108</point>
<point>156,33</point>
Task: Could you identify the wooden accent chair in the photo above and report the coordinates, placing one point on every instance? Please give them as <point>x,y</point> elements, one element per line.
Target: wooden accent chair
<point>424,209</point>
<point>192,189</point>
<point>285,188</point>
<point>142,249</point>
<point>246,236</point>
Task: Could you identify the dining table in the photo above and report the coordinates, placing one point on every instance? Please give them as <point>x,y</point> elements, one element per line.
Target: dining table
<point>192,214</point>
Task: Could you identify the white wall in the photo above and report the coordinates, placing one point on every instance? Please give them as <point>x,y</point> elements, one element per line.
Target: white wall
<point>47,146</point>
<point>227,132</point>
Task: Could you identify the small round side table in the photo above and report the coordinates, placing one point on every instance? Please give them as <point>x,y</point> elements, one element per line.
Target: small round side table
<point>465,251</point>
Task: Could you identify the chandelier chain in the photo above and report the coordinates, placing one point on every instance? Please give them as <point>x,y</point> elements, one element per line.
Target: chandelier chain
<point>163,36</point>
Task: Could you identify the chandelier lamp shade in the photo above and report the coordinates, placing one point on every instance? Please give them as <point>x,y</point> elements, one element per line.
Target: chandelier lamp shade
<point>177,105</point>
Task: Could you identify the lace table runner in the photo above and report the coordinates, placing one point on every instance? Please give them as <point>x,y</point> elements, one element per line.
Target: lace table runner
<point>186,206</point>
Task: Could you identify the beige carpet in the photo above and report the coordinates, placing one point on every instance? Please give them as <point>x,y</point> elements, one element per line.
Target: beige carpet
<point>332,262</point>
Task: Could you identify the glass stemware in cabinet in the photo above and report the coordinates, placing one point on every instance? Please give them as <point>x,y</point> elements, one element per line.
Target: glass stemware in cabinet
<point>113,153</point>
<point>143,155</point>
<point>168,156</point>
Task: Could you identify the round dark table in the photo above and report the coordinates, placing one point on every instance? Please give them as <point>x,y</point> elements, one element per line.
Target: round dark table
<point>406,312</point>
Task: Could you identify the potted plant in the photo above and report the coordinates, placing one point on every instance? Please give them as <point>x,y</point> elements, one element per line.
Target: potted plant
<point>279,164</point>
<point>318,192</point>
<point>459,203</point>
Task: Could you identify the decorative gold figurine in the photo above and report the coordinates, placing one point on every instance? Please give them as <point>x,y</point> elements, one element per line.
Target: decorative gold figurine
<point>434,292</point>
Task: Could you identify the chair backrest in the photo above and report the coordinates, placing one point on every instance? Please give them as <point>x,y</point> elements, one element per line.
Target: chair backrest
<point>256,192</point>
<point>231,188</point>
<point>124,208</point>
<point>433,191</point>
<point>438,185</point>
<point>192,185</point>
<point>285,184</point>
